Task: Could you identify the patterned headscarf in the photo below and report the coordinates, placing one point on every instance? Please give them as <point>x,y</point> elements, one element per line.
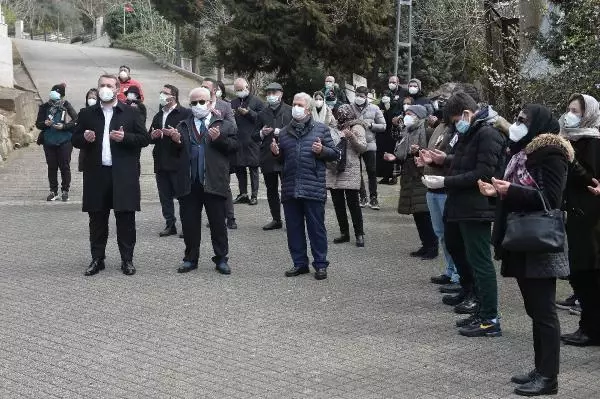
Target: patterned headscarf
<point>345,114</point>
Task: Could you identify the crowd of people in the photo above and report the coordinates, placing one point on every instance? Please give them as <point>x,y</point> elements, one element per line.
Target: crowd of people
<point>477,186</point>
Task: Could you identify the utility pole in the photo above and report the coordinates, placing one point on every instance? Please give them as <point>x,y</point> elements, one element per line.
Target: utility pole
<point>407,44</point>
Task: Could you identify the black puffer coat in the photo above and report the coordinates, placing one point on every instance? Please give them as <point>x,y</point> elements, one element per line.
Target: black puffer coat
<point>479,154</point>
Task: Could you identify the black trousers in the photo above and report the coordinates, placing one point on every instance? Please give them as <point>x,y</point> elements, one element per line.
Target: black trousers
<point>242,177</point>
<point>539,296</point>
<point>126,235</point>
<point>351,197</point>
<point>59,157</point>
<point>272,184</point>
<point>586,285</point>
<point>456,247</point>
<point>425,229</point>
<point>370,163</point>
<point>191,223</point>
<point>165,182</point>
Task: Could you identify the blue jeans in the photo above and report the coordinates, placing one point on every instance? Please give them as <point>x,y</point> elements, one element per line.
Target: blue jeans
<point>297,211</point>
<point>436,203</point>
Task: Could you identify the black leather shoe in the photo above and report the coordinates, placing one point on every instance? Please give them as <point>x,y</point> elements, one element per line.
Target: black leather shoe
<point>253,201</point>
<point>453,300</point>
<point>223,268</point>
<point>187,267</point>
<point>472,319</point>
<point>452,288</point>
<point>468,306</point>
<point>296,271</point>
<point>274,225</point>
<point>341,239</point>
<point>231,224</point>
<point>442,279</point>
<point>321,274</point>
<point>419,252</point>
<point>241,199</point>
<point>168,231</point>
<point>95,267</point>
<point>128,268</point>
<point>524,378</point>
<point>538,386</point>
<point>360,241</point>
<point>579,338</point>
<point>431,253</point>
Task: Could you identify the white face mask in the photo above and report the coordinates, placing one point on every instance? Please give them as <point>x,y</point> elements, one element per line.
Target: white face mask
<point>409,120</point>
<point>91,102</point>
<point>106,94</point>
<point>392,86</point>
<point>413,90</point>
<point>123,75</point>
<point>359,100</point>
<point>131,96</point>
<point>273,99</point>
<point>405,107</point>
<point>241,93</point>
<point>163,99</point>
<point>219,93</point>
<point>385,99</point>
<point>329,85</point>
<point>298,112</point>
<point>517,131</point>
<point>200,111</point>
<point>54,95</point>
<point>572,120</point>
<point>319,103</point>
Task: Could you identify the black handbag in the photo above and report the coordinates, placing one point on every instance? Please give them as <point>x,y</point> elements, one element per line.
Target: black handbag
<point>538,231</point>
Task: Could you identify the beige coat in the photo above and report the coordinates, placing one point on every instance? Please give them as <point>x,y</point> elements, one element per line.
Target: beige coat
<point>349,179</point>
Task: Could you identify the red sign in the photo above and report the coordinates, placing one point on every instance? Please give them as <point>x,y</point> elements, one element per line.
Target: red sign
<point>128,8</point>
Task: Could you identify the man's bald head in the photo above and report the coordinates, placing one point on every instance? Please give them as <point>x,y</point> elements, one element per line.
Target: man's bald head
<point>240,84</point>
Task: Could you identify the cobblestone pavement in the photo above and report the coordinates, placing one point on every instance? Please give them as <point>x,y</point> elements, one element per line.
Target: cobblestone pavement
<point>375,329</point>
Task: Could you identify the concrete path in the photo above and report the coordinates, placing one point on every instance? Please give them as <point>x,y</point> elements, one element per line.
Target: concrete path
<point>375,329</point>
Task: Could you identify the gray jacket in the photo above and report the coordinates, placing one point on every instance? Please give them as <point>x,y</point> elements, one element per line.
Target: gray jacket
<point>373,117</point>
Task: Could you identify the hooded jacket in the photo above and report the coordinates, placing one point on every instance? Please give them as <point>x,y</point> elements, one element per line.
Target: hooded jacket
<point>477,154</point>
<point>548,157</point>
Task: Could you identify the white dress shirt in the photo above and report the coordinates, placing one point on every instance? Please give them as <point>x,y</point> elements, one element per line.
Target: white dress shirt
<point>108,111</point>
<point>165,115</point>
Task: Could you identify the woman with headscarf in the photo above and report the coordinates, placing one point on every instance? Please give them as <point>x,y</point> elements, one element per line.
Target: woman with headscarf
<point>539,164</point>
<point>343,177</point>
<point>91,99</point>
<point>321,112</point>
<point>412,190</point>
<point>56,118</point>
<point>580,125</point>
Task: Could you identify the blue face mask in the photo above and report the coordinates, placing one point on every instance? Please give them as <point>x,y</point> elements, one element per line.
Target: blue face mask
<point>54,95</point>
<point>462,126</point>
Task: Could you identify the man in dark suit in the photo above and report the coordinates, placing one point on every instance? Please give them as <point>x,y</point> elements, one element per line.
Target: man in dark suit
<point>246,108</point>
<point>111,135</point>
<point>166,152</point>
<point>223,109</point>
<point>271,120</point>
<point>206,141</point>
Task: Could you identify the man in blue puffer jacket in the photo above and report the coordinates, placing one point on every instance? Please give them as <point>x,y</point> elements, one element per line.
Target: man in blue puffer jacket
<point>304,147</point>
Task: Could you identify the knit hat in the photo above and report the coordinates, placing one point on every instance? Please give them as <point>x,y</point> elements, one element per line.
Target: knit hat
<point>60,88</point>
<point>417,81</point>
<point>419,110</point>
<point>133,89</point>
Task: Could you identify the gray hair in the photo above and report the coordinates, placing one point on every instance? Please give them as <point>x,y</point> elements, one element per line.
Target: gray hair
<point>304,96</point>
<point>199,90</point>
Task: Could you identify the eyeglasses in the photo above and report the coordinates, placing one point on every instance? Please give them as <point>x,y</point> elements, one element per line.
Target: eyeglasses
<point>201,102</point>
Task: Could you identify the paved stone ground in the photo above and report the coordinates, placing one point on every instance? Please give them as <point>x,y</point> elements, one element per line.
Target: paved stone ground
<point>375,329</point>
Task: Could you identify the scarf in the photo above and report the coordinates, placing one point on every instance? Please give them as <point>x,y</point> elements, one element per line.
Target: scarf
<point>57,107</point>
<point>300,126</point>
<point>516,171</point>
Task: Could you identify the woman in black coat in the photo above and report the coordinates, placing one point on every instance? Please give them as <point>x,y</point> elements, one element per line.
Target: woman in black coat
<point>540,160</point>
